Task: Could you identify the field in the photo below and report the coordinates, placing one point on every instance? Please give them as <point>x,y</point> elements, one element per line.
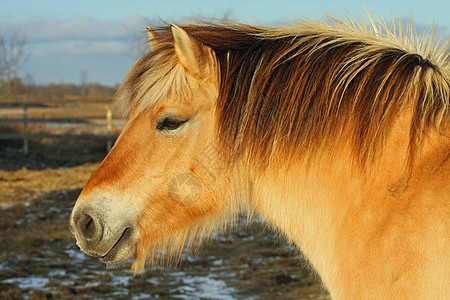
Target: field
<point>39,258</point>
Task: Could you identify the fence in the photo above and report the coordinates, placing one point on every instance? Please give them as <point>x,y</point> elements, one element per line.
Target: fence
<point>10,113</point>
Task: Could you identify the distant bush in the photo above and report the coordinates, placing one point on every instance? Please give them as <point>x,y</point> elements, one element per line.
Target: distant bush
<point>16,89</point>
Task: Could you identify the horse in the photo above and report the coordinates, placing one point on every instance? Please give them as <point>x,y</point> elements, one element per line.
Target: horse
<point>335,133</point>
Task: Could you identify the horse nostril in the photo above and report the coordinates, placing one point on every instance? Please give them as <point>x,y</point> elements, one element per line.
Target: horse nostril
<point>89,228</point>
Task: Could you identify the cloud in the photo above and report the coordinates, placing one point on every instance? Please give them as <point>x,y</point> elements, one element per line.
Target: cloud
<point>80,27</point>
<point>60,49</point>
<point>82,34</point>
<point>83,47</point>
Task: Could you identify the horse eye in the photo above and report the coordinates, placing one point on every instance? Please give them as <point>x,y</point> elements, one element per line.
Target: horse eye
<point>169,124</point>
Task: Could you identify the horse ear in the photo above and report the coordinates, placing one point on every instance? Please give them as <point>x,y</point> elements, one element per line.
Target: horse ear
<point>153,38</point>
<point>196,58</point>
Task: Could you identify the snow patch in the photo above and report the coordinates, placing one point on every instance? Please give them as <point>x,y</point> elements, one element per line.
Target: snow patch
<point>204,287</point>
<point>37,283</point>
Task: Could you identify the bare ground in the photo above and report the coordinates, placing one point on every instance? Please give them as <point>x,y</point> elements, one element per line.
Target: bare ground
<point>39,259</point>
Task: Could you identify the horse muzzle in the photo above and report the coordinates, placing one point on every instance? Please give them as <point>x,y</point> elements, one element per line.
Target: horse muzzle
<point>102,232</point>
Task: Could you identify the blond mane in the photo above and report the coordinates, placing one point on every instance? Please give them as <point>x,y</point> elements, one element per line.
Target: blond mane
<point>298,88</point>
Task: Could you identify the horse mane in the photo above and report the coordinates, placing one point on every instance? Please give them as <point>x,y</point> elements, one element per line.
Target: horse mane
<point>298,88</point>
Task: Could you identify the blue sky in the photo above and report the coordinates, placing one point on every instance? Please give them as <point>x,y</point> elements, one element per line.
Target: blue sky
<point>66,37</point>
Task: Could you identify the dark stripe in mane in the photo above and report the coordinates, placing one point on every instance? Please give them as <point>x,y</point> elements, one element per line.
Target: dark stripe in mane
<point>298,90</point>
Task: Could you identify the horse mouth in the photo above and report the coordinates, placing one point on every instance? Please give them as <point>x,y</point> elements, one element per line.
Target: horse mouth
<point>121,249</point>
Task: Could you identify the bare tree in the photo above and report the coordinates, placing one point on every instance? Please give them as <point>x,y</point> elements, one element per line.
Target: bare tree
<point>13,56</point>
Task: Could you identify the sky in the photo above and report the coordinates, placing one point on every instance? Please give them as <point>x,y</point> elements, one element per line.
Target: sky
<point>69,39</point>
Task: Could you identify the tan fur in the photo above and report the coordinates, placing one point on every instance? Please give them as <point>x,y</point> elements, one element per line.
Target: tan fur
<point>337,135</point>
<point>365,75</point>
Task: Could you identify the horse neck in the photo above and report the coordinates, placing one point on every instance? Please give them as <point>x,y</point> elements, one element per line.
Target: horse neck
<point>332,210</point>
<point>305,205</point>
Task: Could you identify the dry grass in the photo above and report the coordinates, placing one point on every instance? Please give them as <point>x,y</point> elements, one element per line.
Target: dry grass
<point>24,184</point>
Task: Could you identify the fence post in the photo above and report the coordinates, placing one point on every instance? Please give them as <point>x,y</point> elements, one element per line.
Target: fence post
<point>25,130</point>
<point>109,129</point>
